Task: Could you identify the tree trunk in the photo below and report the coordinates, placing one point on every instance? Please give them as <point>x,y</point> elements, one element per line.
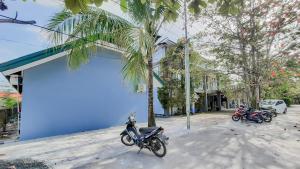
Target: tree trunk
<point>151,117</point>
<point>254,62</point>
<point>5,121</point>
<point>255,96</point>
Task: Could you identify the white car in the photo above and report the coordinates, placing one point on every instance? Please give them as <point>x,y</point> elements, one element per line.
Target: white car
<point>278,105</point>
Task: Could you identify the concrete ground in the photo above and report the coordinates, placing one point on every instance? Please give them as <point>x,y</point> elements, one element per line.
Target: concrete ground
<point>214,141</point>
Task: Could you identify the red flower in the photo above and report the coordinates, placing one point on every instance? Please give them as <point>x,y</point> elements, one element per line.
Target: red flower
<point>273,74</point>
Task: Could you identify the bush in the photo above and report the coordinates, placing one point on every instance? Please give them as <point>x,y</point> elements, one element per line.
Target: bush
<point>288,101</point>
<point>163,97</point>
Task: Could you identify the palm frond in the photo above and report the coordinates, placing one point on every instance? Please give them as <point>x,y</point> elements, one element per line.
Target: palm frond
<point>85,28</point>
<point>88,23</point>
<point>135,68</point>
<point>138,11</point>
<point>138,44</point>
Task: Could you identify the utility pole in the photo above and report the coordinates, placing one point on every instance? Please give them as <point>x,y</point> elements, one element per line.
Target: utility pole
<point>205,89</point>
<point>187,70</point>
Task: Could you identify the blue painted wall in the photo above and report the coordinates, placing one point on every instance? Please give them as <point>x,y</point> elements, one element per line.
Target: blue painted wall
<point>57,100</point>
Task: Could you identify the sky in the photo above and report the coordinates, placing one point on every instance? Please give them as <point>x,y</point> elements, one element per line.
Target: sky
<point>19,40</point>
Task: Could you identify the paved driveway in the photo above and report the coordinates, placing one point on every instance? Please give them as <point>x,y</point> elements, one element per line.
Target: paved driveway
<point>215,141</point>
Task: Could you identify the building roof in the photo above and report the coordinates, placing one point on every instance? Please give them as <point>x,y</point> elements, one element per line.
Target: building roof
<point>30,58</point>
<point>44,56</point>
<point>10,95</point>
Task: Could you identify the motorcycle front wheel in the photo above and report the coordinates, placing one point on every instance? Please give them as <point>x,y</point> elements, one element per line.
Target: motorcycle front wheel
<point>158,147</point>
<point>235,118</point>
<point>127,140</point>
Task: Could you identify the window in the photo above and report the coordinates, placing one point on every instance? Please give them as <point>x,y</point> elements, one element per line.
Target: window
<point>279,102</point>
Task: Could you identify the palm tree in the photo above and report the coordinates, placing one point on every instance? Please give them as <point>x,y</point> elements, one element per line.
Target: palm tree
<point>138,39</point>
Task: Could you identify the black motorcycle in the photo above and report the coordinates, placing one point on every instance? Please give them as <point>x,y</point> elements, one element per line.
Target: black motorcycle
<point>267,115</point>
<point>251,115</point>
<point>271,110</point>
<point>151,138</point>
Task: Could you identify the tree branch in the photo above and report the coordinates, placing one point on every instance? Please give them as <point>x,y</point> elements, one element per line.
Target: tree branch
<point>16,21</point>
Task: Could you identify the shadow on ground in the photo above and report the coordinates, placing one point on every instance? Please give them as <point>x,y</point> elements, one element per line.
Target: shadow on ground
<point>22,164</point>
<point>211,148</point>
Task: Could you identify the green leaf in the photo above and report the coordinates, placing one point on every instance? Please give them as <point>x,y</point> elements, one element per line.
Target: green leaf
<point>85,28</point>
<point>98,2</point>
<point>123,5</point>
<point>203,4</point>
<point>233,10</point>
<point>157,4</point>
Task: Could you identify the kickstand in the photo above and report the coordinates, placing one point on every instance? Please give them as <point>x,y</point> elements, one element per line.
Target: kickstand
<point>140,150</point>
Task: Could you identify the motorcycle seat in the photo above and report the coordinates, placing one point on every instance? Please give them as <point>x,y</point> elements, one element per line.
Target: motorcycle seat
<point>145,130</point>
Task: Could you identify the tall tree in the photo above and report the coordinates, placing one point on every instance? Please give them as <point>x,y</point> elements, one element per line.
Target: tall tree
<point>194,6</point>
<point>172,71</point>
<point>248,41</point>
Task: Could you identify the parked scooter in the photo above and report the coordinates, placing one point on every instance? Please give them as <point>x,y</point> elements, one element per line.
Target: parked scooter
<point>151,138</point>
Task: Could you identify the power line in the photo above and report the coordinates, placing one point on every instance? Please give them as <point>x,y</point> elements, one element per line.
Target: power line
<point>19,42</point>
<point>73,36</point>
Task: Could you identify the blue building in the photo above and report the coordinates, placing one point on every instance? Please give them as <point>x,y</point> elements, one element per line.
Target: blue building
<point>57,100</point>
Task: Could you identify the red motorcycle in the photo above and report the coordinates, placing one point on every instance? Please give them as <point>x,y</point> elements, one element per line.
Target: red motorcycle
<point>238,114</point>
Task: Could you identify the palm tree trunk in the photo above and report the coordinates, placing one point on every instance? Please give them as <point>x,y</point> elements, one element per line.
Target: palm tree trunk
<point>151,118</point>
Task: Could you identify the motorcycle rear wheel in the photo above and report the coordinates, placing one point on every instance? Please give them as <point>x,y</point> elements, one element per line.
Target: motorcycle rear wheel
<point>127,140</point>
<point>158,147</point>
<point>260,119</point>
<point>268,119</point>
